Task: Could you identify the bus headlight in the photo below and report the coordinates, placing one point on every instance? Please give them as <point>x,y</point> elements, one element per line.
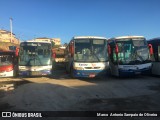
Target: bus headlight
<point>78,68</point>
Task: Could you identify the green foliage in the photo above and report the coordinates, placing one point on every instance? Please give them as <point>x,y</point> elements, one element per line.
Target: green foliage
<point>56,46</point>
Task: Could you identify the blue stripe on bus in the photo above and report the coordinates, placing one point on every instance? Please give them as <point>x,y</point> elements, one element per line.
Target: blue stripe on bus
<point>86,73</point>
<point>29,73</point>
<point>125,73</point>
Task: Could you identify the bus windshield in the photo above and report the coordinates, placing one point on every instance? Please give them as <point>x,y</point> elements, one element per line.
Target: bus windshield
<point>6,60</point>
<point>133,51</point>
<point>90,50</point>
<point>35,54</point>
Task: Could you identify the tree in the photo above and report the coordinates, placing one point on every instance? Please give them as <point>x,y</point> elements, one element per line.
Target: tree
<point>65,45</point>
<point>53,44</point>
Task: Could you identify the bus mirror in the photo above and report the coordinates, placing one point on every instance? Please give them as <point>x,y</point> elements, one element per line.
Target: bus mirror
<point>150,49</point>
<point>116,50</point>
<point>53,55</point>
<point>72,49</point>
<point>109,49</point>
<point>17,52</point>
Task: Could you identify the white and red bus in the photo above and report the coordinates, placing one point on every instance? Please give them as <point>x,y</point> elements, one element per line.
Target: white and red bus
<point>86,56</point>
<point>8,62</point>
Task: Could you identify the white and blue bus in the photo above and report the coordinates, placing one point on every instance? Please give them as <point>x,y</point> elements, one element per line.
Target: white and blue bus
<point>35,58</point>
<point>155,42</point>
<point>86,56</point>
<point>129,55</point>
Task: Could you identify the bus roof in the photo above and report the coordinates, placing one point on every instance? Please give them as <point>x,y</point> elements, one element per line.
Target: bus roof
<point>87,37</point>
<point>158,38</point>
<point>154,41</point>
<point>125,37</point>
<point>36,41</point>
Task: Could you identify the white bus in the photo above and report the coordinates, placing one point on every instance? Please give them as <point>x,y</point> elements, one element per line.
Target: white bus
<point>86,56</point>
<point>129,55</point>
<point>35,58</point>
<point>156,55</point>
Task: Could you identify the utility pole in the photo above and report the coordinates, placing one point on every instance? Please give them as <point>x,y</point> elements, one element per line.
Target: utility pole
<point>11,28</point>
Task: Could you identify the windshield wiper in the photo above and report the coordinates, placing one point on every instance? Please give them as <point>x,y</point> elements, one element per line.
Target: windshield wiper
<point>146,61</point>
<point>138,62</point>
<point>96,57</point>
<point>38,59</point>
<point>136,56</point>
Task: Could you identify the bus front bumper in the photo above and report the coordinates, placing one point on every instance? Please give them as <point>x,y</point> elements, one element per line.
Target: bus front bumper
<point>125,73</point>
<point>89,73</point>
<point>7,74</point>
<point>35,73</point>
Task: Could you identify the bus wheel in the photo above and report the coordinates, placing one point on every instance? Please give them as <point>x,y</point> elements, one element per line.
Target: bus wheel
<point>72,73</point>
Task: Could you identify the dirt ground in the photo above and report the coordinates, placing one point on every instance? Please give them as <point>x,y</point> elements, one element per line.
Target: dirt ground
<point>61,93</point>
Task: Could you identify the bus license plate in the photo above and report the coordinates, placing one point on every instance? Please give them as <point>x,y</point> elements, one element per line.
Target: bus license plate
<point>92,75</point>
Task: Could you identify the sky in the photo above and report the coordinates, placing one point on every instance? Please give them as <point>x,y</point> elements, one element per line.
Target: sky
<point>67,18</point>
